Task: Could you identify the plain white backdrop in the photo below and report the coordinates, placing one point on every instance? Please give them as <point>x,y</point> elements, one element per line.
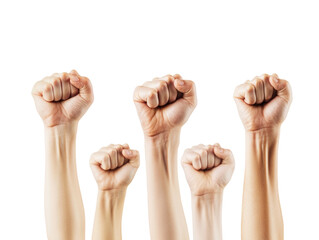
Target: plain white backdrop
<point>121,44</point>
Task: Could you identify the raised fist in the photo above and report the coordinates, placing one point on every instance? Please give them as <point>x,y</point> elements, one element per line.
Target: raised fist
<point>208,169</point>
<point>62,98</point>
<point>114,166</point>
<point>263,102</point>
<point>164,103</point>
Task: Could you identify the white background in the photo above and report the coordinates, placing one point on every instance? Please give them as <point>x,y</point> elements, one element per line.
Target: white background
<point>121,44</point>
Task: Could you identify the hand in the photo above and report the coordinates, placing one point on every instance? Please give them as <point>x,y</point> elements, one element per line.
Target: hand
<point>114,166</point>
<point>164,103</point>
<point>263,102</point>
<point>62,98</point>
<point>208,169</point>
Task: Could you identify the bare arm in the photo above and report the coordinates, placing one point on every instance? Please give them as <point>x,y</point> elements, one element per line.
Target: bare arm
<point>208,169</point>
<point>163,106</point>
<point>261,207</point>
<point>61,100</point>
<point>108,215</point>
<point>207,216</point>
<point>64,212</point>
<point>263,104</point>
<point>167,220</point>
<point>113,168</point>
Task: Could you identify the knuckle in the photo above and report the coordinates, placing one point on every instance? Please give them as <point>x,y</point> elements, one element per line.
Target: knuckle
<point>197,157</point>
<point>152,93</point>
<point>47,88</point>
<point>202,152</point>
<point>162,85</point>
<point>250,89</point>
<point>56,81</point>
<point>113,151</point>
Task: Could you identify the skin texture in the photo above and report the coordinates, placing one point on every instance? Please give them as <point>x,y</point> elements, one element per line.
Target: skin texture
<point>163,106</point>
<point>113,168</point>
<point>263,104</point>
<point>208,169</point>
<point>61,100</point>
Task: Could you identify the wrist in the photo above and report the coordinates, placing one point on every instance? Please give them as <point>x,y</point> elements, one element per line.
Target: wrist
<point>215,198</point>
<point>207,216</point>
<point>171,135</point>
<point>112,193</point>
<point>62,129</point>
<point>269,131</point>
<point>112,200</point>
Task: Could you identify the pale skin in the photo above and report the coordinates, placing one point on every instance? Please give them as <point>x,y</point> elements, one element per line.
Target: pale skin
<point>208,169</point>
<point>113,168</point>
<point>263,104</point>
<point>61,100</point>
<point>164,106</point>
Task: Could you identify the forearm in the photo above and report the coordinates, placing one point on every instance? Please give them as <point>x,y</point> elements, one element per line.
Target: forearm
<point>166,216</point>
<point>207,216</point>
<point>64,210</point>
<point>261,215</point>
<point>108,215</point>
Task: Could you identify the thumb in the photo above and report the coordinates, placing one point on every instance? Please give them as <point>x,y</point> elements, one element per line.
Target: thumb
<point>132,156</point>
<point>282,87</point>
<point>187,88</point>
<point>224,154</point>
<point>83,84</point>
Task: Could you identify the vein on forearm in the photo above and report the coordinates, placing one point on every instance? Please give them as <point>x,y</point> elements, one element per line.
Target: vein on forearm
<point>207,216</point>
<point>167,220</point>
<point>63,203</point>
<point>108,215</point>
<point>261,207</point>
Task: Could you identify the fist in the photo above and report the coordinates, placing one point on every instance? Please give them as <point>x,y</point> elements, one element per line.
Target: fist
<point>208,169</point>
<point>114,166</point>
<point>263,102</point>
<point>164,103</point>
<point>62,98</point>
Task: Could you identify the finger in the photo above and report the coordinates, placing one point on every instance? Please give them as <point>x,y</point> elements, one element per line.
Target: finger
<point>188,89</point>
<point>210,156</point>
<point>83,84</point>
<point>66,86</point>
<point>125,145</point>
<point>259,87</point>
<point>282,87</point>
<point>224,154</point>
<point>120,157</point>
<point>43,89</point>
<point>246,92</point>
<point>113,155</point>
<point>171,88</point>
<point>217,160</point>
<point>203,156</point>
<point>132,156</point>
<point>55,81</point>
<point>146,95</point>
<point>177,76</point>
<point>101,159</point>
<point>268,89</point>
<point>162,90</point>
<point>191,158</point>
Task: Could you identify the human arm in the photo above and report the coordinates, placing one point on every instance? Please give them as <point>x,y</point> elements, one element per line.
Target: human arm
<point>263,104</point>
<point>113,168</point>
<point>208,169</point>
<point>61,100</point>
<point>163,106</point>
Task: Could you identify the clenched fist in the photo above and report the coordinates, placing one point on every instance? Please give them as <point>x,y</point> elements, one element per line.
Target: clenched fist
<point>263,102</point>
<point>62,98</point>
<point>164,103</point>
<point>208,169</point>
<point>114,166</point>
